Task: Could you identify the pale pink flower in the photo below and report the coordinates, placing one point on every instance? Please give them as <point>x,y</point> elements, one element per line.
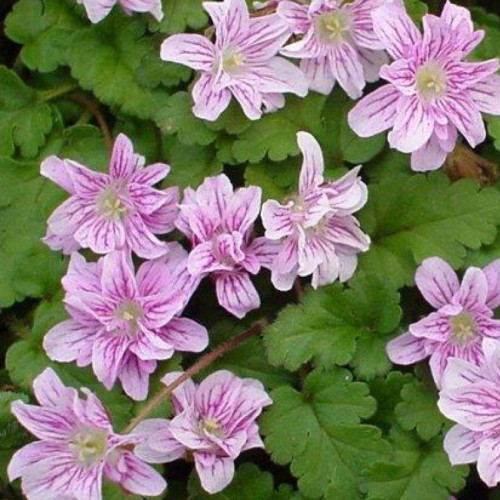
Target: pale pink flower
<point>338,43</point>
<point>219,222</point>
<point>76,447</point>
<point>462,319</point>
<point>471,397</point>
<point>123,323</point>
<point>432,92</point>
<point>314,231</point>
<point>241,63</point>
<point>107,212</point>
<point>97,10</point>
<point>215,421</point>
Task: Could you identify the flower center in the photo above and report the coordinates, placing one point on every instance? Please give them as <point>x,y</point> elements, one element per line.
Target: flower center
<point>333,26</point>
<point>89,445</point>
<point>232,59</point>
<point>130,312</point>
<point>110,205</point>
<point>431,81</point>
<point>212,427</point>
<point>463,328</point>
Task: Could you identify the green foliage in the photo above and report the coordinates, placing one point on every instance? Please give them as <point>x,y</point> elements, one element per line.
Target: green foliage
<point>411,218</point>
<point>417,470</point>
<point>325,326</point>
<point>318,432</point>
<point>25,117</point>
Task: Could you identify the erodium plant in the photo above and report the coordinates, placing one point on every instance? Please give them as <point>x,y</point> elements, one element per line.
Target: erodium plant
<point>220,276</point>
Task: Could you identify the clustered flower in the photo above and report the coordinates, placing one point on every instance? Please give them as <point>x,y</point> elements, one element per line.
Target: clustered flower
<point>124,318</point>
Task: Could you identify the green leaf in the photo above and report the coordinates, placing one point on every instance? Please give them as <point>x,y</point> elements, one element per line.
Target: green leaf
<point>325,325</point>
<point>11,433</point>
<point>370,359</point>
<point>249,483</point>
<point>494,129</point>
<point>318,431</point>
<point>45,29</point>
<point>246,360</point>
<point>416,9</point>
<point>181,14</point>
<point>417,471</point>
<point>419,410</point>
<point>411,218</point>
<point>25,119</point>
<point>275,134</point>
<point>190,165</point>
<point>117,45</point>
<point>177,118</point>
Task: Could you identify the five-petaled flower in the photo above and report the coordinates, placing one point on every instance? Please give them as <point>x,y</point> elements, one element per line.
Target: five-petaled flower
<point>338,43</point>
<point>314,231</point>
<point>97,10</point>
<point>463,318</point>
<point>219,222</point>
<point>471,397</point>
<point>241,63</point>
<point>431,92</point>
<point>215,421</point>
<point>76,447</point>
<point>107,212</point>
<point>123,323</point>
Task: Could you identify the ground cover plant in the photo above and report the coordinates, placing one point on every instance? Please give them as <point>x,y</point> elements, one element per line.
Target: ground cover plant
<point>249,249</point>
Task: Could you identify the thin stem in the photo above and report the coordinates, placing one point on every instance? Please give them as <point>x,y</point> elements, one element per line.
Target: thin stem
<point>48,95</point>
<point>201,364</point>
<point>93,106</point>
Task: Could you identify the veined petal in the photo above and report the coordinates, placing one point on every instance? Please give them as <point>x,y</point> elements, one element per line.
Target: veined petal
<point>97,10</point>
<point>435,326</point>
<point>209,103</point>
<point>437,281</point>
<point>492,275</point>
<point>395,29</point>
<point>413,126</point>
<point>295,15</point>
<point>488,462</point>
<point>308,47</point>
<point>476,407</point>
<point>202,260</point>
<point>430,156</point>
<point>54,168</point>
<point>183,395</point>
<point>466,75</point>
<point>311,173</point>
<point>123,160</point>
<point>140,478</point>
<point>460,373</point>
<point>277,219</point>
<point>362,26</point>
<point>108,355</point>
<point>486,95</point>
<point>141,240</point>
<point>134,377</point>
<point>50,391</point>
<point>401,74</point>
<point>86,182</point>
<point>185,335</point>
<point>236,293</point>
<point>100,234</point>
<point>376,112</point>
<point>242,209</point>
<point>406,349</point>
<point>318,73</point>
<point>372,61</point>
<point>152,6</point>
<point>118,279</point>
<point>462,445</point>
<point>473,291</point>
<point>70,215</point>
<point>150,175</point>
<point>347,69</point>
<point>215,473</point>
<point>29,456</point>
<point>233,25</point>
<point>192,50</point>
<point>147,199</point>
<point>250,99</point>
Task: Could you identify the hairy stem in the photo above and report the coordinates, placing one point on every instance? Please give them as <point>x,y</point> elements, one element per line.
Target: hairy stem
<point>48,95</point>
<point>93,107</point>
<point>202,363</point>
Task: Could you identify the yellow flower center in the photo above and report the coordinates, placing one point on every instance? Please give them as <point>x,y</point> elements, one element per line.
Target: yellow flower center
<point>232,59</point>
<point>333,26</point>
<point>212,427</point>
<point>130,312</point>
<point>463,328</point>
<point>89,445</point>
<point>431,81</point>
<point>111,206</point>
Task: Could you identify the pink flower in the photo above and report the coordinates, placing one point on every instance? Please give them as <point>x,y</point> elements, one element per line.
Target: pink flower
<point>462,319</point>
<point>219,222</point>
<point>123,323</point>
<point>76,447</point>
<point>215,421</point>
<point>242,62</point>
<point>107,212</point>
<point>97,10</point>
<point>471,397</point>
<point>338,43</point>
<point>431,93</point>
<point>314,230</point>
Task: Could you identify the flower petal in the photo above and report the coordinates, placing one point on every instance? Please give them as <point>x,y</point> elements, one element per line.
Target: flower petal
<point>118,278</point>
<point>347,69</point>
<point>185,335</point>
<point>215,473</point>
<point>460,373</point>
<point>318,74</point>
<point>492,275</point>
<point>108,354</point>
<point>242,209</point>
<point>486,95</point>
<point>140,478</point>
<point>208,102</point>
<point>295,15</point>
<point>437,281</point>
<point>141,240</point>
<point>462,445</point>
<point>249,98</point>
<point>54,168</point>
<point>195,51</point>
<point>311,173</point>
<point>134,377</point>
<point>406,349</point>
<point>488,462</point>
<point>236,293</point>
<point>473,291</point>
<point>376,112</point>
